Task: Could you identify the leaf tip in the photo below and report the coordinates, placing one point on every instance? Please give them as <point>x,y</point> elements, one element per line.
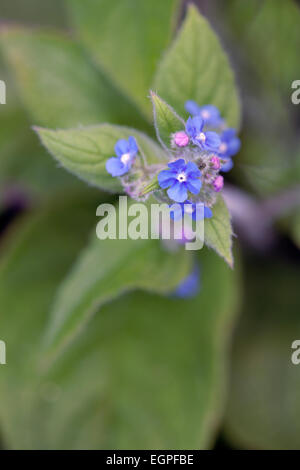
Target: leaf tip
<point>192,9</point>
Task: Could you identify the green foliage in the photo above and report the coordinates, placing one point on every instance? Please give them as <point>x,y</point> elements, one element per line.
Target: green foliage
<point>268,31</point>
<point>126,38</point>
<point>84,151</point>
<point>196,68</point>
<point>148,372</point>
<point>57,82</point>
<point>218,231</point>
<point>166,121</point>
<point>22,161</point>
<point>267,164</point>
<point>106,269</point>
<point>34,259</point>
<point>263,411</point>
<point>33,12</point>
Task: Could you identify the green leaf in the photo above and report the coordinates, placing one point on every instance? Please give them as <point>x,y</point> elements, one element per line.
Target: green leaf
<point>166,121</point>
<point>218,231</point>
<point>84,151</point>
<point>253,28</point>
<point>127,38</point>
<point>263,408</point>
<point>23,162</point>
<point>266,164</point>
<point>33,12</point>
<point>149,372</point>
<point>57,83</point>
<point>24,165</point>
<point>196,68</point>
<point>106,269</point>
<point>268,159</point>
<point>34,259</point>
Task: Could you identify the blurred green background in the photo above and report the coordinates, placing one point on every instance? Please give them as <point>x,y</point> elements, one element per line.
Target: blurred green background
<point>142,375</point>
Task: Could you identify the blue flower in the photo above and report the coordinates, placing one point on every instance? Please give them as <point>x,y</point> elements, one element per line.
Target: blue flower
<point>230,144</point>
<point>209,113</point>
<point>227,166</point>
<point>205,140</point>
<point>125,151</point>
<point>190,286</point>
<point>180,178</point>
<point>194,210</point>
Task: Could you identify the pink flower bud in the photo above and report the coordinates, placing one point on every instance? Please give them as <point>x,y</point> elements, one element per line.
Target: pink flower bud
<point>181,139</point>
<point>215,161</point>
<point>218,183</point>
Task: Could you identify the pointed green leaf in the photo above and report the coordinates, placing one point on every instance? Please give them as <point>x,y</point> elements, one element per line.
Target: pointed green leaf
<point>127,38</point>
<point>196,68</point>
<point>166,121</point>
<point>84,151</point>
<point>218,231</point>
<point>57,83</point>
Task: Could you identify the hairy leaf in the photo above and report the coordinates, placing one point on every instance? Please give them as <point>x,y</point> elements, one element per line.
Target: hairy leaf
<point>166,121</point>
<point>218,231</point>
<point>196,68</point>
<point>84,151</point>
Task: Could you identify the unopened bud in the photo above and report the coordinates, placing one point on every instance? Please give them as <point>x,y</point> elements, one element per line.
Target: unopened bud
<point>218,183</point>
<point>181,139</point>
<point>215,162</point>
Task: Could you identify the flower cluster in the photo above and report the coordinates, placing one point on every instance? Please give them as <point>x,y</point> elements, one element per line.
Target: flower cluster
<point>198,154</point>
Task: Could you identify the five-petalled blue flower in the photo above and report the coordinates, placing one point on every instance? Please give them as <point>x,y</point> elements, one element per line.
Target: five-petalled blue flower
<point>205,140</point>
<point>180,178</point>
<point>125,150</point>
<point>229,146</point>
<point>209,113</point>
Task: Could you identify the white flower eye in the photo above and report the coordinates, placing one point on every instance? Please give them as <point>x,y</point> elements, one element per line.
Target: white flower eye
<point>201,137</point>
<point>125,158</point>
<point>181,177</point>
